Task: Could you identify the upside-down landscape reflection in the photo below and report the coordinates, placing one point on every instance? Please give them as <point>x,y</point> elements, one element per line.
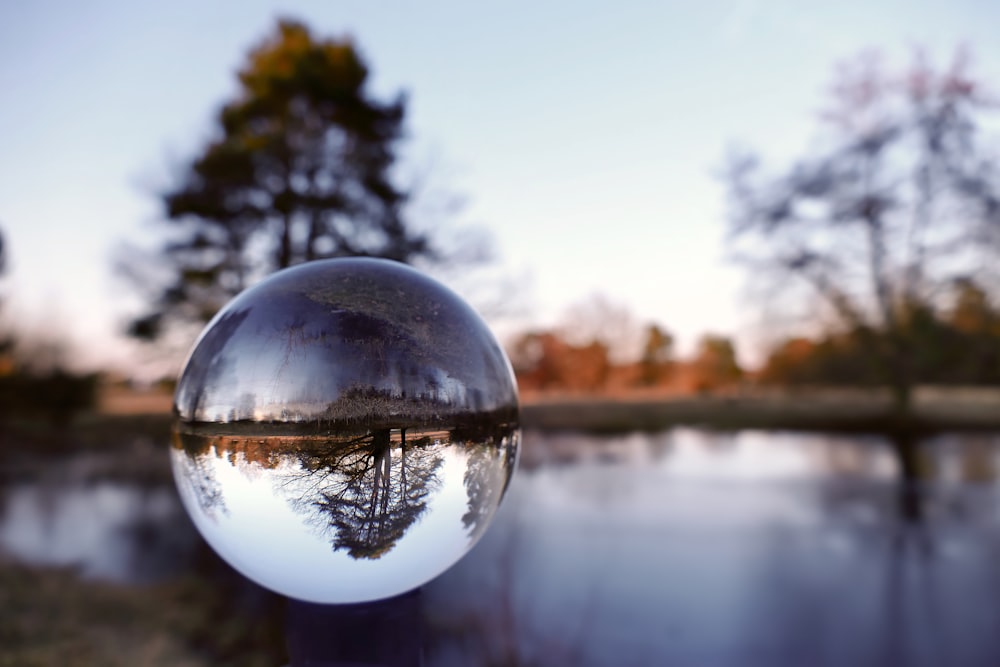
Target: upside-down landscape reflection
<point>346,431</point>
<point>345,342</point>
<point>346,516</point>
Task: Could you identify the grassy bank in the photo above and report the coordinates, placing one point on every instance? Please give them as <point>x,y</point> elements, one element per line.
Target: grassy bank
<point>838,410</point>
<point>935,409</point>
<point>52,617</point>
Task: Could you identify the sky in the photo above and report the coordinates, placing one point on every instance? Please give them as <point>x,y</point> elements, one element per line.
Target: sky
<point>586,137</point>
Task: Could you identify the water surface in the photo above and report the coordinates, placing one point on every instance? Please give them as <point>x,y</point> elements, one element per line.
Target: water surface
<point>686,547</point>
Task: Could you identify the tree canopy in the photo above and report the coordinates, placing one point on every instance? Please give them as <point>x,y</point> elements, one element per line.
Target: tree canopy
<point>301,168</point>
<point>899,202</point>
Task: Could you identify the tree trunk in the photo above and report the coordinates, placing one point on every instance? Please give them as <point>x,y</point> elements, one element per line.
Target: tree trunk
<point>902,377</point>
<point>314,230</point>
<point>285,251</point>
<point>902,401</point>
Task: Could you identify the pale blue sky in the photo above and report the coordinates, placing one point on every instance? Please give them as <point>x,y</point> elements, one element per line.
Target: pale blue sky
<point>585,136</point>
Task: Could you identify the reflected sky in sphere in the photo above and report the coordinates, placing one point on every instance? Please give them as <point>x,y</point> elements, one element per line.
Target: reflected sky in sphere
<point>346,430</point>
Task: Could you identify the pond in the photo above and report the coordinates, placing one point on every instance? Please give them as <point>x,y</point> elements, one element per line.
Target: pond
<point>682,547</point>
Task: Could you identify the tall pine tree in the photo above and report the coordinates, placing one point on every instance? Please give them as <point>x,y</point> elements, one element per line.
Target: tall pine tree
<point>300,169</point>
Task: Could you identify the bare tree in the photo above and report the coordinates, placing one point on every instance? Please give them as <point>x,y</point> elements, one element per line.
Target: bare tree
<point>901,200</point>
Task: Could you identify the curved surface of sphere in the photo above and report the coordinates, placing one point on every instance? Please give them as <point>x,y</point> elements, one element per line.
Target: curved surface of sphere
<point>346,430</point>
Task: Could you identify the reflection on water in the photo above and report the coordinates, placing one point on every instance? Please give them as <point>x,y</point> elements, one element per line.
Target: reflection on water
<point>111,519</point>
<point>310,516</point>
<point>699,548</point>
<point>59,529</point>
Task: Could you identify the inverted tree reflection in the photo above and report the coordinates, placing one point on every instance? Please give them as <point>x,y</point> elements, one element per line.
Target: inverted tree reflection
<point>363,495</point>
<point>488,471</point>
<point>197,475</point>
<point>360,492</point>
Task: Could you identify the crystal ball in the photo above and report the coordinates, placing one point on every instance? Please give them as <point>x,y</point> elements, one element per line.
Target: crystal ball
<point>346,430</point>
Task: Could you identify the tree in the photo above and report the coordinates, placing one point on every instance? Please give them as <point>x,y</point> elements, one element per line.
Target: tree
<point>301,168</point>
<point>378,496</point>
<point>899,202</point>
<point>544,360</point>
<point>657,355</point>
<point>715,364</point>
<point>833,360</point>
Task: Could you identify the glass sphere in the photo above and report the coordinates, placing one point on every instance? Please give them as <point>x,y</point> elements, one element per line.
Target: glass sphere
<point>345,430</point>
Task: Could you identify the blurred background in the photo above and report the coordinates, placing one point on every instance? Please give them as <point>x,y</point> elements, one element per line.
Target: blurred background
<point>743,257</point>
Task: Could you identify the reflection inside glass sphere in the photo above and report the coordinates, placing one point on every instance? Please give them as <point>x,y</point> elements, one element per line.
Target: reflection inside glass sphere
<point>347,429</point>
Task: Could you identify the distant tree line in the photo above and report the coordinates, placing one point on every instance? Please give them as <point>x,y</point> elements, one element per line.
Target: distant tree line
<point>958,345</point>
<point>561,360</point>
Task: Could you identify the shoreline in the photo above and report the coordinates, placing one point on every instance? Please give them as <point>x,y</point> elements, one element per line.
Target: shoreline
<point>934,409</point>
<point>813,409</point>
